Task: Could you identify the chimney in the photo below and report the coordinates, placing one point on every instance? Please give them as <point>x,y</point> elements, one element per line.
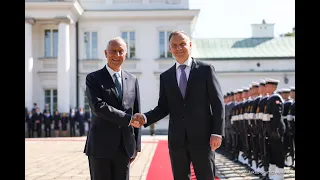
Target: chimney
<point>263,30</point>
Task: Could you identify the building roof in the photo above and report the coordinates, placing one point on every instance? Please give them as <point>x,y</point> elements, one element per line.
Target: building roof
<point>243,48</point>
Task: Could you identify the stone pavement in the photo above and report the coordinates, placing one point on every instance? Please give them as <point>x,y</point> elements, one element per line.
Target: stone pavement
<point>63,159</point>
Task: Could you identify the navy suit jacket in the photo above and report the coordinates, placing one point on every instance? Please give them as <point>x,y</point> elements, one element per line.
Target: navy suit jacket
<point>110,116</point>
<point>198,115</point>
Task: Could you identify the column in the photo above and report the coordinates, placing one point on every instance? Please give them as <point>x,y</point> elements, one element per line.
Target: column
<point>63,66</point>
<point>28,64</point>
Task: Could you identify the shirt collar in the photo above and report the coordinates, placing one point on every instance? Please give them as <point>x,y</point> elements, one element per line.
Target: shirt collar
<point>112,72</point>
<point>188,62</point>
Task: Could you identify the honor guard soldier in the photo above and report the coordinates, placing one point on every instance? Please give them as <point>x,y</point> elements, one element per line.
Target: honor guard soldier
<point>242,121</point>
<point>37,118</point>
<point>225,100</point>
<point>262,167</point>
<point>228,126</point>
<point>235,125</point>
<point>258,119</point>
<point>291,122</point>
<point>253,124</point>
<point>246,126</point>
<point>275,130</point>
<point>287,139</point>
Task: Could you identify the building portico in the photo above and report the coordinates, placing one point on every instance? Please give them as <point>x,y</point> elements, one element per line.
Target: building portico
<point>50,56</point>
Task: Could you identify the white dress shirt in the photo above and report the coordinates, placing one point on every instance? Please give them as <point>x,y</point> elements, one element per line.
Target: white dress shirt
<point>188,63</point>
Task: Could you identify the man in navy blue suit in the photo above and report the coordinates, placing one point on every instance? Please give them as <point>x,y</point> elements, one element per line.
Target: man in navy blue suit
<point>191,94</point>
<point>113,96</point>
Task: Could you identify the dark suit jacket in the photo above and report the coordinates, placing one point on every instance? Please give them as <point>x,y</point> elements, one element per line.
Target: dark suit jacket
<point>110,117</point>
<point>199,115</point>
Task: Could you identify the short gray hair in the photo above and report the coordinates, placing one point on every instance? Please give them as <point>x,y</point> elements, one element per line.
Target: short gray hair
<point>116,39</point>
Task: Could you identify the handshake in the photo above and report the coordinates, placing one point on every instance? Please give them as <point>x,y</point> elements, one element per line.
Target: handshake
<point>137,120</point>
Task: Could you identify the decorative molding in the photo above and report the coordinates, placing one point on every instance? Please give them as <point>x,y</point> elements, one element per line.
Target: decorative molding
<point>30,20</point>
<point>65,20</point>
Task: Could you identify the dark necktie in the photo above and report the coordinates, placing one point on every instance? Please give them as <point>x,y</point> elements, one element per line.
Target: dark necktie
<point>118,85</point>
<point>183,81</point>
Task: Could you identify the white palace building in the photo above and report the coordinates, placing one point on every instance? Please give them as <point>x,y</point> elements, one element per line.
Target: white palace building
<point>65,40</point>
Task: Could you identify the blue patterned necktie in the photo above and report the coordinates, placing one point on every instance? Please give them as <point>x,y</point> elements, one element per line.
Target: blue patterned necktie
<point>183,80</point>
<point>118,85</point>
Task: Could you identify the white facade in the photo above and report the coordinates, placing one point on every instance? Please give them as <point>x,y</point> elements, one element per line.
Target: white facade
<point>56,31</point>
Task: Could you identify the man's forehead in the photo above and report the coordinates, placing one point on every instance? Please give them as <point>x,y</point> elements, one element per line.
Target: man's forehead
<point>117,43</point>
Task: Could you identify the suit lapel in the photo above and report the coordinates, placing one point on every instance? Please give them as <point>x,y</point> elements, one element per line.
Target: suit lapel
<point>124,78</point>
<point>193,70</point>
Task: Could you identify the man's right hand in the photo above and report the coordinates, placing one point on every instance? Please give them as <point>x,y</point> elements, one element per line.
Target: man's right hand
<point>137,120</point>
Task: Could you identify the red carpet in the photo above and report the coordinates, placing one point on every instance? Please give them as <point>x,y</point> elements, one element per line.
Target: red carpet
<point>160,168</point>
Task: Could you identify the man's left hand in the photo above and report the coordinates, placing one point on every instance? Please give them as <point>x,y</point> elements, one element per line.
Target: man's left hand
<point>134,157</point>
<point>215,142</point>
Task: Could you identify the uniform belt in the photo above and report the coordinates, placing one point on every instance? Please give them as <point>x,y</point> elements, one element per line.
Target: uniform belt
<point>236,118</point>
<point>266,117</point>
<point>257,116</point>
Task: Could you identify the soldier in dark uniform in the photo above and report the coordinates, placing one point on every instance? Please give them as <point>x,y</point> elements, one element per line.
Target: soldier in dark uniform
<point>38,120</point>
<point>64,123</point>
<point>47,121</point>
<point>253,127</point>
<point>80,119</point>
<point>72,123</point>
<point>239,126</point>
<point>57,123</point>
<point>228,126</point>
<point>235,126</point>
<point>30,124</point>
<point>245,126</point>
<point>287,139</point>
<point>275,130</point>
<point>243,121</point>
<point>291,127</point>
<point>263,164</point>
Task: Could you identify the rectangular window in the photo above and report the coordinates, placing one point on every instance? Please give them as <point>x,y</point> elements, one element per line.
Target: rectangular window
<point>130,39</point>
<point>91,45</point>
<point>51,98</point>
<point>164,44</point>
<point>86,102</point>
<point>51,43</point>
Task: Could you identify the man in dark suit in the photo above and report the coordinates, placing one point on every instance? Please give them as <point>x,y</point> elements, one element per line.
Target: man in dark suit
<point>191,94</point>
<point>113,96</point>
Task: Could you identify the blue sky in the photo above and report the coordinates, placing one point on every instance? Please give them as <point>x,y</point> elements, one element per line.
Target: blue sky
<point>232,18</point>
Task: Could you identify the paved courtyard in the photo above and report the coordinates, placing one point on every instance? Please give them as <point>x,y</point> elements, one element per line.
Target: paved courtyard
<point>63,159</point>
